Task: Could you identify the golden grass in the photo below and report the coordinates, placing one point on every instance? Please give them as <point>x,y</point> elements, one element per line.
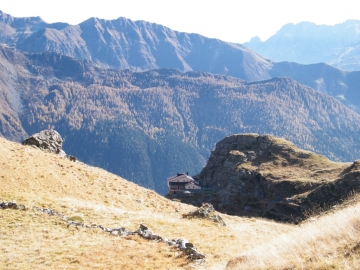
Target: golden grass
<point>36,241</point>
<point>32,240</point>
<point>304,169</point>
<point>320,243</point>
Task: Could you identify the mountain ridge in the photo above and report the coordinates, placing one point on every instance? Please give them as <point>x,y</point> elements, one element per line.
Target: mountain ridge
<point>140,46</point>
<point>309,43</point>
<point>133,121</point>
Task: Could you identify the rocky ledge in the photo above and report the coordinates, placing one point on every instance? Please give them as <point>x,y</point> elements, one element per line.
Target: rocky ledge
<point>266,176</point>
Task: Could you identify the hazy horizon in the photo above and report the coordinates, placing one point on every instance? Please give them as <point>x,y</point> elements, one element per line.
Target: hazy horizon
<point>234,21</point>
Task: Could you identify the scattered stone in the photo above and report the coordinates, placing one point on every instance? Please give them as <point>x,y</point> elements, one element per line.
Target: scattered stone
<point>50,212</point>
<point>72,158</point>
<point>194,254</point>
<point>182,244</point>
<point>143,227</point>
<point>171,243</point>
<point>143,231</point>
<point>75,223</point>
<point>353,250</point>
<point>206,211</point>
<point>11,205</point>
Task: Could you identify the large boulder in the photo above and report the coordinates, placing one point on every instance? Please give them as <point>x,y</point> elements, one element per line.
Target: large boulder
<point>48,140</point>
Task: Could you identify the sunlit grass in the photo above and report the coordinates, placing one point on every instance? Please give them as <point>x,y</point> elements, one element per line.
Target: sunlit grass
<point>324,242</point>
<point>33,240</point>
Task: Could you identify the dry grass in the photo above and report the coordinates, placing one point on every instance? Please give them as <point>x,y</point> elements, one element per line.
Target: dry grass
<point>320,243</point>
<point>31,240</point>
<point>35,241</point>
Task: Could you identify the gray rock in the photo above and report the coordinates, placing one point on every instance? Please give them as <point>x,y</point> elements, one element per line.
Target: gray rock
<point>155,237</point>
<point>197,256</point>
<point>147,234</point>
<point>48,140</point>
<point>143,227</point>
<point>206,211</point>
<point>11,205</point>
<point>182,244</point>
<point>72,158</point>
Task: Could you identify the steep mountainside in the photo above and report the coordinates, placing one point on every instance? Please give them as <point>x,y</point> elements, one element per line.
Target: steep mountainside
<point>146,126</point>
<point>343,85</point>
<point>139,46</point>
<point>135,45</point>
<point>308,43</point>
<point>252,174</point>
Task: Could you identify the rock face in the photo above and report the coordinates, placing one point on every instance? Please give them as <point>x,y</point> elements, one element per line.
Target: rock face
<point>48,140</point>
<point>262,175</point>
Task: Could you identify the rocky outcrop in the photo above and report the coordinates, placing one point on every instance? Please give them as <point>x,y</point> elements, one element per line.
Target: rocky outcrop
<point>262,175</point>
<point>206,211</point>
<point>48,140</point>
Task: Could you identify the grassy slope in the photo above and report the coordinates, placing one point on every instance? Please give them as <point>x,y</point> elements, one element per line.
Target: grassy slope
<point>325,242</point>
<point>30,239</point>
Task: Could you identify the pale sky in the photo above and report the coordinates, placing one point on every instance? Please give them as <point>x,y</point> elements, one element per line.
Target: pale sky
<point>229,20</point>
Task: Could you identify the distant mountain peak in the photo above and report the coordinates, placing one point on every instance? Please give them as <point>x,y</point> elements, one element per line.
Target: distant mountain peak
<point>307,43</point>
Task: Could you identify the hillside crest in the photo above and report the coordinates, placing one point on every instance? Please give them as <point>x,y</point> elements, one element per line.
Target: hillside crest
<point>251,174</point>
